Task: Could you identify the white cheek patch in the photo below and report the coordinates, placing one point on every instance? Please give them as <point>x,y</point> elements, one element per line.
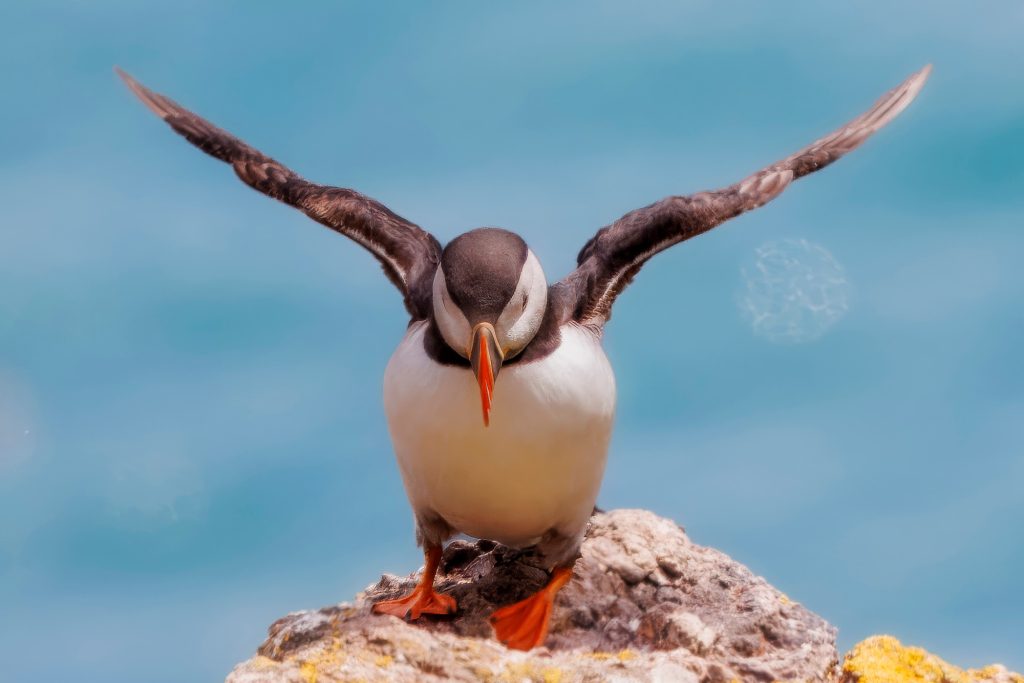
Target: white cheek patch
<point>450,319</point>
<point>517,324</point>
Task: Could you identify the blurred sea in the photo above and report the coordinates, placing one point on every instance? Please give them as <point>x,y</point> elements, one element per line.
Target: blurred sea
<point>192,441</point>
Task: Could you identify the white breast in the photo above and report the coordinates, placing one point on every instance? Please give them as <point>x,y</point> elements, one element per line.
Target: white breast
<point>537,467</point>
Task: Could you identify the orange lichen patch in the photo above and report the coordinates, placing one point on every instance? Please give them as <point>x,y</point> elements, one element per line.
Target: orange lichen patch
<point>883,659</point>
<point>626,655</point>
<point>384,661</point>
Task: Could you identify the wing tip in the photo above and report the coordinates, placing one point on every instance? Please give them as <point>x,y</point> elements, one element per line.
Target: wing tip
<point>148,97</point>
<point>898,99</point>
<point>912,86</point>
<point>125,77</point>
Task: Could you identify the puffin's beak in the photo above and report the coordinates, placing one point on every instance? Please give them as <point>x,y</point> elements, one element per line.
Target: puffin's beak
<point>485,357</point>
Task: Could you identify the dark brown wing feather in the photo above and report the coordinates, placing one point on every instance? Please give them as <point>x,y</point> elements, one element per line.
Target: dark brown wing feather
<point>608,262</point>
<point>407,253</point>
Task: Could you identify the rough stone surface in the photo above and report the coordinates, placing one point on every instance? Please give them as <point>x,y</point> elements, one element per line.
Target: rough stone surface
<point>646,604</point>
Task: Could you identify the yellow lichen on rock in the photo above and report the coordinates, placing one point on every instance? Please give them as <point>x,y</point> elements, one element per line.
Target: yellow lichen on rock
<point>309,672</point>
<point>883,659</point>
<point>261,662</point>
<point>515,672</point>
<point>621,655</point>
<point>552,675</point>
<point>599,656</point>
<point>327,658</point>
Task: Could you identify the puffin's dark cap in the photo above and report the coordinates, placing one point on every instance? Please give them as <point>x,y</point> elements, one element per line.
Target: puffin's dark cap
<point>482,269</point>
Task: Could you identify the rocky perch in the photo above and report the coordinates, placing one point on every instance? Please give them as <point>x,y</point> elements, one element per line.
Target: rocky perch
<point>646,604</point>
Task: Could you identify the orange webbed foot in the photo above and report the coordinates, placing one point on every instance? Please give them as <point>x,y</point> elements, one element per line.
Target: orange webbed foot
<point>524,625</point>
<point>422,600</point>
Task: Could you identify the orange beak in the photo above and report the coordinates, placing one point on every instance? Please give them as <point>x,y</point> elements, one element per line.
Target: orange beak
<point>485,357</point>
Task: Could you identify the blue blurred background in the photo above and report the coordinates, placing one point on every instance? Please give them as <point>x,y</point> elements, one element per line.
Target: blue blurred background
<point>192,441</point>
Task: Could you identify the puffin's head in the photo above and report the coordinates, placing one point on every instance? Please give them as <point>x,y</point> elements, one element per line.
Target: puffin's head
<point>490,296</point>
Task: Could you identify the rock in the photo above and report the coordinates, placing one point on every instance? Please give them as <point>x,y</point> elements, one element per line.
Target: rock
<point>883,659</point>
<point>646,604</point>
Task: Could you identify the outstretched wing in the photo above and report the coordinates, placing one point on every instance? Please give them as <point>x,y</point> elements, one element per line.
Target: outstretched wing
<point>608,262</point>
<point>408,254</point>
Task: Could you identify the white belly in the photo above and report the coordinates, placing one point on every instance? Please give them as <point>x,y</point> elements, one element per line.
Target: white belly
<point>537,467</point>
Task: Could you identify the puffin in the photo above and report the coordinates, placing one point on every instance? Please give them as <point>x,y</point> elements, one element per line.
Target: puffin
<point>499,398</point>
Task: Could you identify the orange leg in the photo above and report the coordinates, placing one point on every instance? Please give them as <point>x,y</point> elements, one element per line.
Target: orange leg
<point>423,599</point>
<point>524,625</point>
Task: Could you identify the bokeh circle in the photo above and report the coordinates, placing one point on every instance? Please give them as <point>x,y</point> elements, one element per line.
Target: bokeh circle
<point>793,291</point>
